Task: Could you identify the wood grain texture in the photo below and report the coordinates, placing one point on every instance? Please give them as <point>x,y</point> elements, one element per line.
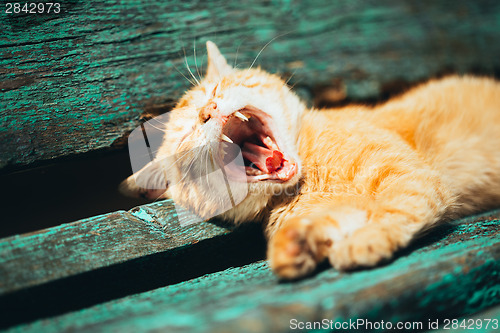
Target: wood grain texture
<point>452,272</point>
<point>79,81</point>
<point>77,265</point>
<point>70,249</point>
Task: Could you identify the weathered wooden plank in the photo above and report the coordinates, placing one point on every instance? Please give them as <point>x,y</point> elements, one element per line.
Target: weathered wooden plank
<point>79,81</point>
<point>80,264</point>
<point>452,272</point>
<point>69,249</point>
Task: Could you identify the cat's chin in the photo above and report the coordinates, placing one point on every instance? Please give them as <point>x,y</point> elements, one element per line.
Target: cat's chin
<point>265,155</point>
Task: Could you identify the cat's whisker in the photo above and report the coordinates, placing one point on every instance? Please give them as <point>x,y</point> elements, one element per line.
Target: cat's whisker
<point>188,170</point>
<point>272,40</point>
<point>241,116</point>
<point>177,160</point>
<point>237,53</point>
<point>162,123</point>
<point>204,158</point>
<point>190,166</point>
<point>293,85</point>
<point>187,66</point>
<point>195,61</point>
<point>208,155</point>
<point>189,69</point>
<point>159,129</point>
<point>202,70</point>
<point>190,81</point>
<point>200,169</point>
<point>225,138</point>
<point>164,130</point>
<point>291,76</point>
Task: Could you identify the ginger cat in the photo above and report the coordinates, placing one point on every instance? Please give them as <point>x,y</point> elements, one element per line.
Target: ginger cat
<point>351,185</point>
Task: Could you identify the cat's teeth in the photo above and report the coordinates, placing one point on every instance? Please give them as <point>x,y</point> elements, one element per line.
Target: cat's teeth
<point>269,143</point>
<point>223,148</point>
<point>226,138</point>
<point>241,116</point>
<point>261,177</point>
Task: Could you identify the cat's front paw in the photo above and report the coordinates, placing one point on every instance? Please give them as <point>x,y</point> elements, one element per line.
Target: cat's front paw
<point>366,247</point>
<point>292,250</point>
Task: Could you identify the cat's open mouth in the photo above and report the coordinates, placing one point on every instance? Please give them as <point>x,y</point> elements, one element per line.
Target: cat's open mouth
<point>263,152</point>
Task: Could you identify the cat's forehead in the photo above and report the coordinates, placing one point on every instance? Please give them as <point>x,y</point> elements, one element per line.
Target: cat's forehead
<point>230,83</point>
<point>246,78</point>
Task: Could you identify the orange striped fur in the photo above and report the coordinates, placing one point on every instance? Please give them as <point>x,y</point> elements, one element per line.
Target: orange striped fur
<point>375,178</point>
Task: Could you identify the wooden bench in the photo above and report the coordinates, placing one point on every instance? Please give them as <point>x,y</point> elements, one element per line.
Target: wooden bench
<point>141,270</point>
<point>74,84</point>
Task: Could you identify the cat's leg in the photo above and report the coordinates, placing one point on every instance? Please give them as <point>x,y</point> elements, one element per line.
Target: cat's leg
<point>302,242</point>
<point>401,210</point>
<point>357,230</point>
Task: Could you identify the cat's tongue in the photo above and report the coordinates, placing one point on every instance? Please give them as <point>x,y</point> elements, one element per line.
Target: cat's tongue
<point>275,162</point>
<point>267,160</point>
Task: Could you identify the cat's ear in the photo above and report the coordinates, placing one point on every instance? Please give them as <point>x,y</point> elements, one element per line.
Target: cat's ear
<point>149,183</point>
<point>217,64</point>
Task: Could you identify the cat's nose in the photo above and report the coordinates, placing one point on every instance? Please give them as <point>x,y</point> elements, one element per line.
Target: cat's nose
<point>208,111</point>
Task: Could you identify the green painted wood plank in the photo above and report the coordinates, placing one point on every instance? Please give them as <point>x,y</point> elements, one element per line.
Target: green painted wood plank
<point>32,259</point>
<point>452,272</point>
<point>79,81</point>
<point>88,262</point>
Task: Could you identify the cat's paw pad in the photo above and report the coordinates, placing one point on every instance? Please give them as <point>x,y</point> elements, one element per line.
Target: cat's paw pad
<point>291,251</point>
<point>364,248</point>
